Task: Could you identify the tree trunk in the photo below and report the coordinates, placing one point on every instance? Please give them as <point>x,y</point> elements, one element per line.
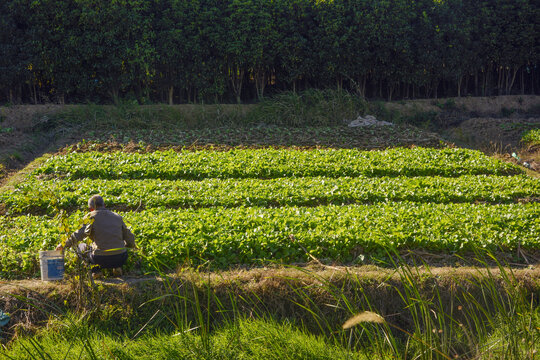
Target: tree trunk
<point>34,92</point>
<point>170,95</point>
<point>500,80</point>
<point>237,78</point>
<point>19,95</point>
<point>489,82</point>
<point>532,82</point>
<point>460,79</point>
<point>511,82</point>
<point>522,82</point>
<point>113,92</point>
<point>260,83</point>
<point>363,86</point>
<point>485,90</point>
<point>391,88</point>
<point>476,83</point>
<point>427,88</point>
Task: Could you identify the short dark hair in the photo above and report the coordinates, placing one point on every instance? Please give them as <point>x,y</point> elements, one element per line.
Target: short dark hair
<point>96,202</point>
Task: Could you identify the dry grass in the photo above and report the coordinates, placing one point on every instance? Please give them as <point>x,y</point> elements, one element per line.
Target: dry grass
<point>363,317</point>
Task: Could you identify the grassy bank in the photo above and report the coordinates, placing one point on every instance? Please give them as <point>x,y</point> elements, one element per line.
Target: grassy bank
<point>486,311</point>
<point>242,339</point>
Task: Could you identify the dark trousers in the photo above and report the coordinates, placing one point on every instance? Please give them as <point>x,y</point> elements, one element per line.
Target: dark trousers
<point>103,261</point>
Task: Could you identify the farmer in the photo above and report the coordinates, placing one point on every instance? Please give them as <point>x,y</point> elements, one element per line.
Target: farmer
<point>110,238</point>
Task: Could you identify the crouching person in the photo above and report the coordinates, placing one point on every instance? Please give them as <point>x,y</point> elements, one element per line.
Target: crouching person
<point>110,238</point>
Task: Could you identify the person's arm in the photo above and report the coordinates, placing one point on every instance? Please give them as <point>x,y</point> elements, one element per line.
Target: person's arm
<point>128,237</point>
<point>76,237</point>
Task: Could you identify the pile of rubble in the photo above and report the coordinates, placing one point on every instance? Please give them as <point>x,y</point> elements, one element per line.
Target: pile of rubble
<point>369,120</point>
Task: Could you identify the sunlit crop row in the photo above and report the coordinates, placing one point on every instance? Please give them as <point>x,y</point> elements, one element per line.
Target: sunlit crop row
<point>227,237</point>
<point>45,196</point>
<point>273,163</point>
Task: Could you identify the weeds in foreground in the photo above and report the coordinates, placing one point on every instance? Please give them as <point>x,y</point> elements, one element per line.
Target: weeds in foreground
<point>485,316</point>
<point>488,316</point>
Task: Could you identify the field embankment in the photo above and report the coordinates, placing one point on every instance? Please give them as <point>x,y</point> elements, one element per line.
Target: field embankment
<point>290,293</point>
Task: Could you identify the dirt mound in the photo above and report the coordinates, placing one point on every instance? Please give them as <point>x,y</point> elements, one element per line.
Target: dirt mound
<point>502,134</point>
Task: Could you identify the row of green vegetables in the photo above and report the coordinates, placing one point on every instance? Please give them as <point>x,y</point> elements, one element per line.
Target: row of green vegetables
<point>274,163</point>
<point>248,235</point>
<point>46,196</point>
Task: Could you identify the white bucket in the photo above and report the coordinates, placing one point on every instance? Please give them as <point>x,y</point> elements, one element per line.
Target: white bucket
<point>52,265</point>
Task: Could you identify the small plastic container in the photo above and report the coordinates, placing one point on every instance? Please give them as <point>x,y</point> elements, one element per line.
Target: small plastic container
<point>52,265</point>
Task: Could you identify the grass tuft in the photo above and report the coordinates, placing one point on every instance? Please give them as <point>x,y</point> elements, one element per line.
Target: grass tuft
<point>363,317</point>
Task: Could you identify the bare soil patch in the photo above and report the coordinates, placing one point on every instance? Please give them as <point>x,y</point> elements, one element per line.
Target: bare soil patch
<point>479,106</point>
<point>495,134</point>
<point>26,131</point>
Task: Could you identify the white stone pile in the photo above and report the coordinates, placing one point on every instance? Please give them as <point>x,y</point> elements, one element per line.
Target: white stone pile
<point>369,120</point>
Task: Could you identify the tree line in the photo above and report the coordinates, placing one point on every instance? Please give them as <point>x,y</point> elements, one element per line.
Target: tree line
<point>179,51</point>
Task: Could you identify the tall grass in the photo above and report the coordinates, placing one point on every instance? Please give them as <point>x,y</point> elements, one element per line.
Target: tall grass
<point>248,339</point>
<point>410,313</point>
<point>126,116</point>
<point>309,108</point>
<point>487,316</point>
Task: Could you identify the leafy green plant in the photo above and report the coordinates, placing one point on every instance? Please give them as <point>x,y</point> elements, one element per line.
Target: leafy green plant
<point>449,104</point>
<point>424,119</point>
<point>242,205</point>
<point>506,112</point>
<point>531,137</point>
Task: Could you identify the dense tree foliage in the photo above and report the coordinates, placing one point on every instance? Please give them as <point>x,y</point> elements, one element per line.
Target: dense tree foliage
<point>240,50</point>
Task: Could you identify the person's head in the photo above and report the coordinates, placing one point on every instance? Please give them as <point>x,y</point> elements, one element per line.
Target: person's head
<point>96,202</point>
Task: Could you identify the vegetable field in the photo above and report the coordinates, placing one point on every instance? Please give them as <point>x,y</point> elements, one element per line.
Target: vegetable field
<point>251,206</point>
